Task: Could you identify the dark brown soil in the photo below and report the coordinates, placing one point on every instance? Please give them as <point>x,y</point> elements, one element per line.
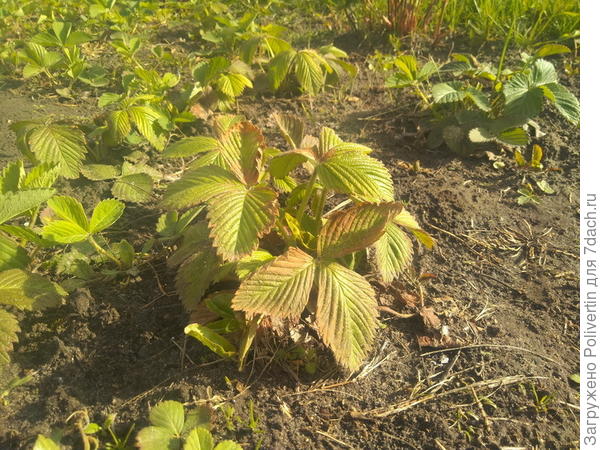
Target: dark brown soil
<point>503,280</point>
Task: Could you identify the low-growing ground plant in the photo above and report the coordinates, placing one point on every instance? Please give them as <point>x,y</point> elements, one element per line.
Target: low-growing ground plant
<point>482,104</point>
<point>170,427</point>
<point>270,227</point>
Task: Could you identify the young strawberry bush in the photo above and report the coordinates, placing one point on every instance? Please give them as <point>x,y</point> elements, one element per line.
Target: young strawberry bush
<point>269,224</point>
<point>474,104</point>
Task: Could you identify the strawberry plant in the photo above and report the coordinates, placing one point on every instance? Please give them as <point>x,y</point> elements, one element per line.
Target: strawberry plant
<point>311,68</point>
<point>58,144</point>
<point>291,253</point>
<point>170,427</point>
<point>222,81</point>
<point>70,225</point>
<point>480,105</point>
<point>21,194</point>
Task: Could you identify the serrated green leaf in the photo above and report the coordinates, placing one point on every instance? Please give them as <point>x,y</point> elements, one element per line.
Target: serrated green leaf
<point>105,214</point>
<point>108,98</point>
<point>357,174</point>
<point>393,252</point>
<point>448,92</point>
<point>308,72</point>
<point>97,172</point>
<point>280,288</point>
<point>195,275</point>
<point>199,185</point>
<point>233,84</point>
<point>11,177</point>
<point>327,140</point>
<point>214,341</point>
<point>208,71</point>
<point>291,127</point>
<point>61,145</point>
<point>566,103</point>
<point>146,120</point>
<point>195,237</point>
<point>41,176</point>
<point>15,204</point>
<point>280,66</point>
<point>26,233</point>
<point>168,415</point>
<point>77,38</point>
<point>69,209</point>
<point>135,188</point>
<point>64,232</point>
<point>9,327</point>
<point>12,255</point>
<point>239,217</point>
<point>28,291</point>
<point>199,439</point>
<point>249,264</point>
<point>281,165</point>
<point>346,313</point>
<point>126,253</point>
<point>119,124</point>
<point>157,438</point>
<point>355,228</point>
<point>514,136</point>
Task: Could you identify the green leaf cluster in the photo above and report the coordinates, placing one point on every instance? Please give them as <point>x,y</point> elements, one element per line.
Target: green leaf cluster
<point>171,428</point>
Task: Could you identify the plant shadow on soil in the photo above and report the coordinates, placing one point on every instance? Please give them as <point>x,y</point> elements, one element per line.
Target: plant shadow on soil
<point>505,287</point>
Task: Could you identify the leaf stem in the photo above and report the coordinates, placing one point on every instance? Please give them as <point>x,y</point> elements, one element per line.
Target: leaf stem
<point>103,252</point>
<point>307,194</point>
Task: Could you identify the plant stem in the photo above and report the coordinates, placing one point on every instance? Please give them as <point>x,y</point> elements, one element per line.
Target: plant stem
<point>506,42</point>
<point>103,252</point>
<point>320,205</point>
<point>307,194</point>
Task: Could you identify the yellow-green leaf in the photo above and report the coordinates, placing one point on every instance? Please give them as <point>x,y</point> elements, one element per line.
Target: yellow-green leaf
<point>279,288</point>
<point>346,313</point>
